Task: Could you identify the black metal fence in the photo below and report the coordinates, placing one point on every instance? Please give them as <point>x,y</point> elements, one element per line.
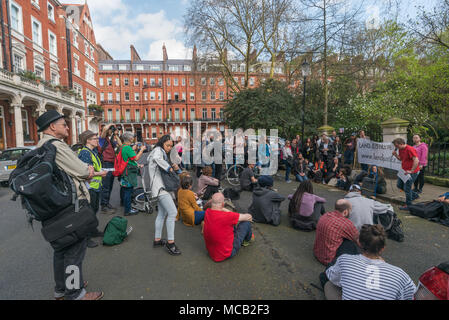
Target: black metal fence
<point>438,160</point>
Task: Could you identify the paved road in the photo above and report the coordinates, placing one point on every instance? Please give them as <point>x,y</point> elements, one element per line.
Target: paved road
<point>279,265</point>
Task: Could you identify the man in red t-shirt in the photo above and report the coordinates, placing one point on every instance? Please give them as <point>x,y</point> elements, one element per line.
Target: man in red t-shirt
<point>224,231</point>
<point>410,164</point>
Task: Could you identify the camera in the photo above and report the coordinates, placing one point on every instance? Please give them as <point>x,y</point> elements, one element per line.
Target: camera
<point>113,128</point>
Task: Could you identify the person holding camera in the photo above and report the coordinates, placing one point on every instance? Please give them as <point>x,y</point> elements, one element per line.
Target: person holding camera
<point>131,153</point>
<point>109,140</point>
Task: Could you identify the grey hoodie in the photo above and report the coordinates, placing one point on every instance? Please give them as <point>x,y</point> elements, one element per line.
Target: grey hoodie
<point>266,206</point>
<point>363,209</point>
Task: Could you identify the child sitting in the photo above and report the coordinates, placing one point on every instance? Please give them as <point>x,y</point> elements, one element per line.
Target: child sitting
<point>188,208</point>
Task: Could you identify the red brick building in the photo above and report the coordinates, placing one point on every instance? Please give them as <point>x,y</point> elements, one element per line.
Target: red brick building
<point>152,98</point>
<point>38,69</point>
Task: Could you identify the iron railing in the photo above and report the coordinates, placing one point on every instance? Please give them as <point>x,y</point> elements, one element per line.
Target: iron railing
<point>438,160</point>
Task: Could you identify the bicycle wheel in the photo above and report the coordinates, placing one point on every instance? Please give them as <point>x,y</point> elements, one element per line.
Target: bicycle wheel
<point>140,198</point>
<point>233,174</point>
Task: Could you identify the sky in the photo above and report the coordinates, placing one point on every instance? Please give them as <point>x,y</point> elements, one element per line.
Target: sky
<point>148,24</point>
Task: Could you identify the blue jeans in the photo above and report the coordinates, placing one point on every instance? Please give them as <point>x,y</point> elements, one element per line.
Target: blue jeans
<point>288,169</point>
<point>108,183</point>
<point>410,195</point>
<point>199,217</point>
<point>127,194</point>
<point>242,232</point>
<point>301,179</point>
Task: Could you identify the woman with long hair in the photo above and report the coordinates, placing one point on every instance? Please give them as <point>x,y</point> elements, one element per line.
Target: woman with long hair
<point>305,208</point>
<point>158,160</point>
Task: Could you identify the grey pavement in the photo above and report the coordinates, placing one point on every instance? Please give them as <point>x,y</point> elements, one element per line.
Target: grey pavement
<point>279,265</point>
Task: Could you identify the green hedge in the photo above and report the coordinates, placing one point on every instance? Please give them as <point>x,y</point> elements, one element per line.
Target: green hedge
<point>441,182</point>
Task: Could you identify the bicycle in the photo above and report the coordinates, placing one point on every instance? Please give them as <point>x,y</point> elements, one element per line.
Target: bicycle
<point>234,172</point>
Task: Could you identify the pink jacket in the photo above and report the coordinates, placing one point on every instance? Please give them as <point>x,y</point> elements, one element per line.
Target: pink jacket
<point>422,151</point>
<point>205,181</point>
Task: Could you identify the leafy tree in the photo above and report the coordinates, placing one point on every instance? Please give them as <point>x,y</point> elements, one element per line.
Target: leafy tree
<point>270,106</point>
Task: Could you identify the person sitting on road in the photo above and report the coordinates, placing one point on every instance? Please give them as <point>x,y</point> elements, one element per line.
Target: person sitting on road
<point>319,171</point>
<point>300,168</point>
<point>247,179</point>
<point>266,203</point>
<point>374,176</point>
<point>364,209</point>
<point>305,208</point>
<point>188,209</point>
<point>344,181</point>
<point>367,276</point>
<point>207,185</point>
<point>333,170</point>
<point>336,234</point>
<point>225,232</point>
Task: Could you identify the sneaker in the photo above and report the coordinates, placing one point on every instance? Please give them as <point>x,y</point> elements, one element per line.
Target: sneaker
<point>159,243</point>
<point>288,181</point>
<point>93,296</point>
<point>60,296</point>
<point>91,244</point>
<point>106,210</point>
<point>404,208</point>
<point>110,207</point>
<point>173,249</point>
<point>132,213</point>
<point>247,243</point>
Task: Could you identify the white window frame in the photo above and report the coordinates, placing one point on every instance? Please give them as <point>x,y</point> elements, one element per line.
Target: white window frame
<point>136,96</point>
<point>101,82</point>
<point>52,17</point>
<point>41,66</point>
<point>117,96</point>
<point>55,52</point>
<point>19,17</point>
<point>39,40</point>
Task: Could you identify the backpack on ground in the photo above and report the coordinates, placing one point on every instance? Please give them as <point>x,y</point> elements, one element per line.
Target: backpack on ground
<point>115,231</point>
<point>427,210</point>
<point>45,190</point>
<point>392,225</point>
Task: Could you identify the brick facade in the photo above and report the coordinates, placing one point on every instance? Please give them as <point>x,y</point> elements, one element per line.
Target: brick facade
<point>34,39</point>
<point>152,98</point>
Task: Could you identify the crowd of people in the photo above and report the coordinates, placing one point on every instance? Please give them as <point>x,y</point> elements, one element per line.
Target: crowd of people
<point>347,241</point>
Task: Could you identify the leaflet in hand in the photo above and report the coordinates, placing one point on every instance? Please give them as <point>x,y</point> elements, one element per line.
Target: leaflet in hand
<point>108,169</point>
<point>403,176</point>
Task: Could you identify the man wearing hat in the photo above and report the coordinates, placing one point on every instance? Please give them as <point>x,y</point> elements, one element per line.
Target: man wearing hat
<point>89,154</point>
<point>53,126</point>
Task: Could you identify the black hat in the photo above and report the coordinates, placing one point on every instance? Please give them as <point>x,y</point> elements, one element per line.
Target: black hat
<point>47,118</point>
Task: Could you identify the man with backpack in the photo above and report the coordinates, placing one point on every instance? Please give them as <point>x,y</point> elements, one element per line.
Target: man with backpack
<point>68,261</point>
<point>108,141</point>
<point>89,154</point>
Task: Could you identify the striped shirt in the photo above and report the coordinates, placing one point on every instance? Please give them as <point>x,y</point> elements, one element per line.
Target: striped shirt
<point>362,278</point>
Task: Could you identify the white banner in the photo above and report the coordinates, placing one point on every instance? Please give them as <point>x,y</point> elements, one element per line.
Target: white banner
<point>378,154</point>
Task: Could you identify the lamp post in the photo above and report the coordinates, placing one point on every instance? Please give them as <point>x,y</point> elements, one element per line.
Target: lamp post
<point>305,73</point>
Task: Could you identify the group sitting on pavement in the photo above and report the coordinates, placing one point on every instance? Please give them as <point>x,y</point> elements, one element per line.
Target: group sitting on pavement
<point>347,242</point>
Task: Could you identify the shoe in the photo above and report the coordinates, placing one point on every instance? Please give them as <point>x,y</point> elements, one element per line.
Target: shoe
<point>247,243</point>
<point>110,207</point>
<point>288,181</point>
<point>404,208</point>
<point>85,283</point>
<point>159,243</point>
<point>106,210</point>
<point>93,296</point>
<point>91,244</point>
<point>132,213</point>
<point>419,191</point>
<point>172,249</point>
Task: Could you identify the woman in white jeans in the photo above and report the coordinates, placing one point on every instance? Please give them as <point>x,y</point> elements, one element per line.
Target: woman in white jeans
<point>157,161</point>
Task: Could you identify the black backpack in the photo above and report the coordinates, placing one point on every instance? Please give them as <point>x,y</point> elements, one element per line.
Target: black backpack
<point>45,190</point>
<point>392,225</point>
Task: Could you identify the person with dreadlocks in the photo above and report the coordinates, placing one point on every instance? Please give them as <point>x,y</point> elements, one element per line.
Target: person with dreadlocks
<point>305,208</point>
